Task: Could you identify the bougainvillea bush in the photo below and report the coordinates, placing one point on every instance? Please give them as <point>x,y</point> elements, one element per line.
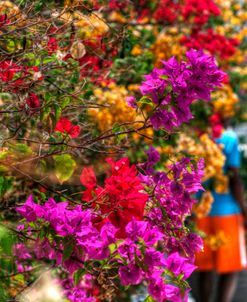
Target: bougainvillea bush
<point>87,188</point>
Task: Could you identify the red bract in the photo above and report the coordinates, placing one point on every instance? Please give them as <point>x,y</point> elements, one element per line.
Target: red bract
<point>226,79</point>
<point>33,101</point>
<point>52,45</point>
<point>121,199</point>
<point>200,9</point>
<point>215,43</point>
<point>217,131</point>
<point>8,69</point>
<point>17,77</point>
<point>143,14</point>
<point>99,64</point>
<point>4,20</point>
<point>35,73</point>
<point>116,4</point>
<point>65,126</point>
<point>88,178</point>
<point>216,124</point>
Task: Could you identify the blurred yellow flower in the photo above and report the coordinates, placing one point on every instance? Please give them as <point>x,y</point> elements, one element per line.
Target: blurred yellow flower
<point>114,107</point>
<point>202,208</point>
<point>224,101</point>
<point>167,45</point>
<point>136,51</point>
<point>216,241</point>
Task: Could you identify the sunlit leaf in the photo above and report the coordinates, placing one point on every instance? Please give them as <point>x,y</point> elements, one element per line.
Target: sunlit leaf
<point>64,167</point>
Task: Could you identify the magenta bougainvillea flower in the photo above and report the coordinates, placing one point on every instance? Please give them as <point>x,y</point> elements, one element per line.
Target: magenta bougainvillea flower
<point>173,88</point>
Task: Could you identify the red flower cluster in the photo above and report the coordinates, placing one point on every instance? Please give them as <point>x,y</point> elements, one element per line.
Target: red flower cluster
<point>121,199</point>
<point>167,11</point>
<point>65,126</point>
<point>215,43</point>
<point>116,4</point>
<point>33,101</point>
<point>17,76</point>
<point>200,10</point>
<point>8,69</point>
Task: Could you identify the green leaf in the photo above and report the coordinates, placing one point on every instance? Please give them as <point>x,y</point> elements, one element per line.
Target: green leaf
<point>22,149</point>
<point>78,275</point>
<point>10,45</point>
<point>149,299</point>
<point>20,278</point>
<point>47,96</point>
<point>64,167</point>
<point>65,102</point>
<point>44,113</point>
<point>32,59</point>
<point>75,77</point>
<point>116,128</point>
<point>167,89</point>
<point>3,294</point>
<point>7,239</point>
<point>57,111</point>
<point>146,101</point>
<point>88,94</point>
<point>68,249</point>
<point>50,59</point>
<point>3,155</point>
<point>5,184</point>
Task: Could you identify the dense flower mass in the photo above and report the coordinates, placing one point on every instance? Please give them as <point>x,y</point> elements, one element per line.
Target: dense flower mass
<point>85,291</point>
<point>224,102</point>
<point>80,88</point>
<point>200,11</point>
<point>215,43</point>
<point>116,228</point>
<point>16,77</point>
<point>173,88</point>
<point>166,10</point>
<point>115,109</point>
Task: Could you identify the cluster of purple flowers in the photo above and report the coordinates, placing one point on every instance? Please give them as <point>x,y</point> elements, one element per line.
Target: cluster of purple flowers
<point>75,224</point>
<point>142,261</point>
<point>171,201</point>
<point>80,292</point>
<point>173,88</point>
